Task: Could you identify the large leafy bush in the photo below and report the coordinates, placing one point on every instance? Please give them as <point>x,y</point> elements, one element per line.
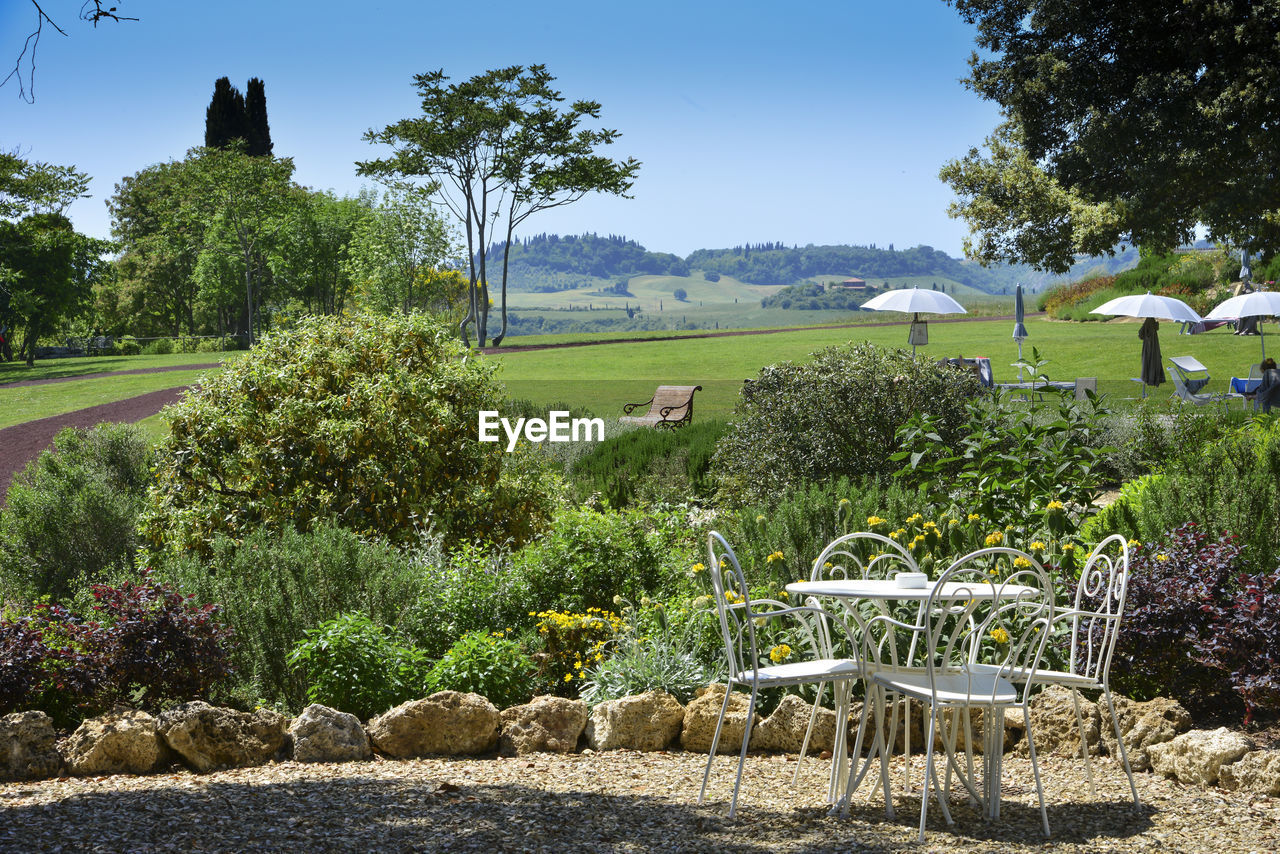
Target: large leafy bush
<point>485,663</point>
<point>835,415</point>
<point>274,587</point>
<point>367,423</point>
<point>73,512</point>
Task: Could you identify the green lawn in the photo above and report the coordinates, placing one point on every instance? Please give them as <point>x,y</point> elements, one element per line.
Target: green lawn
<point>49,369</point>
<point>604,377</point>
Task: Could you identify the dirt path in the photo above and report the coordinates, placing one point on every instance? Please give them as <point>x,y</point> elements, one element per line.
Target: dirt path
<point>22,443</point>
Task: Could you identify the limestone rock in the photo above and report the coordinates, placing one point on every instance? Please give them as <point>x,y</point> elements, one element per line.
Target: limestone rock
<point>544,725</point>
<point>322,734</point>
<point>700,718</point>
<point>209,737</point>
<point>1053,721</point>
<point>28,747</point>
<point>119,742</point>
<point>649,721</point>
<point>1197,757</point>
<point>1142,725</point>
<point>447,722</point>
<point>784,730</point>
<point>1257,771</point>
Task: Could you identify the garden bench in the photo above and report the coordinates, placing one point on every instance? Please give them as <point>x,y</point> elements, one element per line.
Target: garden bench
<point>670,406</point>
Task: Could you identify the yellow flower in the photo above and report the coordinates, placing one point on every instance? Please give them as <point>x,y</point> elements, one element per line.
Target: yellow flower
<point>952,523</point>
<point>844,502</point>
<point>1021,563</point>
<point>1055,506</point>
<point>1068,548</point>
<point>930,526</point>
<point>995,538</point>
<point>774,558</point>
<point>915,517</point>
<point>1037,546</point>
<point>1133,544</point>
<point>698,567</point>
<point>999,635</point>
<point>568,677</point>
<point>779,653</point>
<point>1162,556</point>
<point>973,517</point>
<point>827,565</point>
<point>917,540</point>
<point>759,519</point>
<point>872,521</point>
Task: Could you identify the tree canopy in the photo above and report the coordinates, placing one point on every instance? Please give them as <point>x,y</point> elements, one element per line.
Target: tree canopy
<point>1124,122</point>
<point>498,148</point>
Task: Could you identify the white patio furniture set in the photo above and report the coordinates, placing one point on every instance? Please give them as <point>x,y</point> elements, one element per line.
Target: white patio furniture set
<point>972,639</point>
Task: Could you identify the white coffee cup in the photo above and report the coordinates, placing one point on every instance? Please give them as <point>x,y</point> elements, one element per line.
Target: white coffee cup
<point>913,580</point>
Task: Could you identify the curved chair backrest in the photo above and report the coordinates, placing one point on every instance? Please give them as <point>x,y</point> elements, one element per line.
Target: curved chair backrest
<point>862,555</point>
<point>993,607</point>
<point>733,604</point>
<point>1098,608</point>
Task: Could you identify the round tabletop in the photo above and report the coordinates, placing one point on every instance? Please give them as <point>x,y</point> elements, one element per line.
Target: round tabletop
<point>885,588</point>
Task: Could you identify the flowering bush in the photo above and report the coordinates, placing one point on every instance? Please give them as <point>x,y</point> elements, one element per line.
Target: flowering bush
<point>571,643</point>
<point>651,652</point>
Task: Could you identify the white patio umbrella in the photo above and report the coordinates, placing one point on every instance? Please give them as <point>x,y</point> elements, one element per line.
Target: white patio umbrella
<point>1256,304</point>
<point>915,301</point>
<point>1152,307</point>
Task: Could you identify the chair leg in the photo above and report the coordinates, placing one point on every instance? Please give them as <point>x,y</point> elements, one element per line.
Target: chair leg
<point>715,741</point>
<point>928,772</point>
<point>742,755</point>
<point>813,718</point>
<point>1084,745</point>
<point>1035,766</point>
<point>1124,754</point>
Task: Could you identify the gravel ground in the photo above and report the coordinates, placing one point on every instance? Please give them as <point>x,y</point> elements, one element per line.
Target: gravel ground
<point>615,801</point>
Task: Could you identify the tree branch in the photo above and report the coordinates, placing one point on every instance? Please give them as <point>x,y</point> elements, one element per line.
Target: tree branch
<point>91,11</point>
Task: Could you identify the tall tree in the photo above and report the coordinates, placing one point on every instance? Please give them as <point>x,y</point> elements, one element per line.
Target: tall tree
<point>225,119</point>
<point>255,109</point>
<point>493,148</point>
<point>51,270</point>
<point>1124,122</point>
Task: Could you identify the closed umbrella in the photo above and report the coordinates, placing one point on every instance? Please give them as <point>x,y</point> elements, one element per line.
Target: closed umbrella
<point>1256,304</point>
<point>1151,307</point>
<point>1019,328</point>
<point>915,301</point>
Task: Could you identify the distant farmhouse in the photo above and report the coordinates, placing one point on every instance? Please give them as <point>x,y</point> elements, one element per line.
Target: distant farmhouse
<point>856,285</point>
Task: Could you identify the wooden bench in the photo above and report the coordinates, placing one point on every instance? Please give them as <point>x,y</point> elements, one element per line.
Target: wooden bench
<point>670,406</point>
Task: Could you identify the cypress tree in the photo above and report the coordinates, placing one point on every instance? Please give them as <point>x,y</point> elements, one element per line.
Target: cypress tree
<point>224,120</point>
<point>255,108</point>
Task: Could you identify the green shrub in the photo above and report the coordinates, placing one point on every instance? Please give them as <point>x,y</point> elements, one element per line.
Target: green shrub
<point>129,346</point>
<point>670,466</point>
<point>159,347</point>
<point>367,423</point>
<point>209,345</point>
<point>1232,484</point>
<point>651,654</point>
<point>589,556</point>
<point>274,587</point>
<point>801,522</point>
<point>355,665</point>
<point>72,513</point>
<point>835,415</point>
<point>488,664</point>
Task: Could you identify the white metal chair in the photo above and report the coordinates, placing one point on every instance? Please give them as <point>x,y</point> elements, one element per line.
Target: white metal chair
<point>986,620</point>
<point>1094,617</point>
<point>739,618</point>
<point>864,554</point>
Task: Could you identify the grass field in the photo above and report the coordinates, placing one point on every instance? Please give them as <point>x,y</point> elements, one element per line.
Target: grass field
<point>602,378</point>
<point>27,403</point>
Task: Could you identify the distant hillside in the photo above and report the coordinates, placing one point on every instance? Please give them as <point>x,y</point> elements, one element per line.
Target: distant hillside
<point>549,263</point>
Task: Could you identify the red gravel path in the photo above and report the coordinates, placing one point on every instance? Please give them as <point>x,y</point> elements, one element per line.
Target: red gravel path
<point>22,443</point>
<point>21,383</point>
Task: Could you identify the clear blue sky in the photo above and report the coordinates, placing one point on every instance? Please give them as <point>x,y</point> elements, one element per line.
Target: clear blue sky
<point>813,121</point>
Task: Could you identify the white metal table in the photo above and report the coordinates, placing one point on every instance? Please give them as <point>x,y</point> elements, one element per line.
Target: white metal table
<point>880,592</point>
